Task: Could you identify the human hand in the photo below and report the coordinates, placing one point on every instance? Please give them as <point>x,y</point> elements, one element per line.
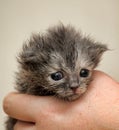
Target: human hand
<point>97,109</point>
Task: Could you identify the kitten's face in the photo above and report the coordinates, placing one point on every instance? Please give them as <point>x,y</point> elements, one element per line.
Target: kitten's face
<point>59,63</point>
<point>66,80</point>
<point>68,83</point>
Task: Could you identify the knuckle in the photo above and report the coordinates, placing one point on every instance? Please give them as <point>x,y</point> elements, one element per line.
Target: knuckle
<point>7,103</point>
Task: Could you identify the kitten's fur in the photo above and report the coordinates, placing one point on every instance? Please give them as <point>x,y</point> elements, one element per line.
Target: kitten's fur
<point>62,49</point>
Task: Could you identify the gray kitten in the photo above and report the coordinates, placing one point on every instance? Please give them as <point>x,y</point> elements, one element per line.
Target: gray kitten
<point>58,63</point>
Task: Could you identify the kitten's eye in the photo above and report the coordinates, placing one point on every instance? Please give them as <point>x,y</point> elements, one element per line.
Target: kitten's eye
<point>84,72</point>
<point>57,76</point>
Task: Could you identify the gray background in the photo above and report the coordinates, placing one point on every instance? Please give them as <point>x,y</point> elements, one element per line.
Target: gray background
<point>18,18</point>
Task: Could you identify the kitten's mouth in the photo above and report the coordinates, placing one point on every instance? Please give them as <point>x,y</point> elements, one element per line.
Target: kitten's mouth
<point>72,94</point>
<point>76,93</point>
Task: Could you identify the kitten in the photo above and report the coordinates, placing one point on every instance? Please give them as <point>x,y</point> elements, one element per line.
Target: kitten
<point>58,63</point>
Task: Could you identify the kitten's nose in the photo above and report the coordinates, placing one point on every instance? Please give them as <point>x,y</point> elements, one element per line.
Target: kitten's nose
<point>74,82</point>
<point>74,88</point>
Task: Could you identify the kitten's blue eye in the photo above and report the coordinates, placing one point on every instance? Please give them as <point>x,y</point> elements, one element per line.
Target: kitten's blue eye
<point>57,76</point>
<point>84,72</point>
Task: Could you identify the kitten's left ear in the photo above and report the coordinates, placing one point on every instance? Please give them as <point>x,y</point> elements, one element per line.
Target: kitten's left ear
<point>96,52</point>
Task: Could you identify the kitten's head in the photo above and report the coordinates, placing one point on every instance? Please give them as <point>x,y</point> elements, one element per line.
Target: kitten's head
<point>60,62</point>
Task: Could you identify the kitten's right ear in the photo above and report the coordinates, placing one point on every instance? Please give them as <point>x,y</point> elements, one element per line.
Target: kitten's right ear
<point>27,59</point>
<point>29,56</point>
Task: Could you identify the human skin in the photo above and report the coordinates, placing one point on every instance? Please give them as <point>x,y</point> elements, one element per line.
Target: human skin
<point>97,109</point>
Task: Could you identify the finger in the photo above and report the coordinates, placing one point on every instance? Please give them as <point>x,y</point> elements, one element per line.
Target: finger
<point>17,106</point>
<point>24,107</point>
<point>20,125</point>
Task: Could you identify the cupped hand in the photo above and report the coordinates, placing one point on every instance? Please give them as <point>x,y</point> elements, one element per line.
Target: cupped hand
<point>97,109</point>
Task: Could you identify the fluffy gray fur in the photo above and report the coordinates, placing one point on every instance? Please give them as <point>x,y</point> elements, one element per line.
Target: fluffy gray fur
<point>62,49</point>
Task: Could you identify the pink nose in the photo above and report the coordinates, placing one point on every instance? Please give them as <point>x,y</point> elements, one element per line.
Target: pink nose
<point>74,89</point>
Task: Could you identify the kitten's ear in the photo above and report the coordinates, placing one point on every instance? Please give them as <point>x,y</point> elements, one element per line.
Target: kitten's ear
<point>96,51</point>
<point>27,59</point>
<point>29,56</point>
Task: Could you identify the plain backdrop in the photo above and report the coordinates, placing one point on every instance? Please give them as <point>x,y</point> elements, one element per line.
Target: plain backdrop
<point>19,18</point>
